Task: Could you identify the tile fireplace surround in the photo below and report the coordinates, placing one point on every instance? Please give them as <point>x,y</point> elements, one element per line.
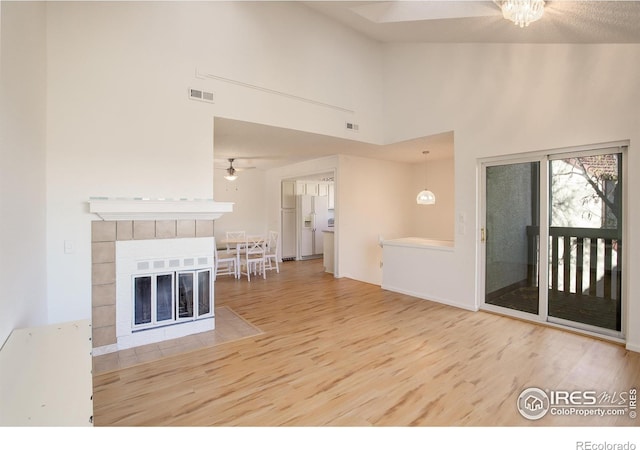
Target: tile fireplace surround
<point>104,235</point>
<point>172,226</point>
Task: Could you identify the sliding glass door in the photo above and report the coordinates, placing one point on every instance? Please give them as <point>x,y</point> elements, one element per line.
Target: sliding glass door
<point>510,235</point>
<point>576,254</point>
<point>585,240</point>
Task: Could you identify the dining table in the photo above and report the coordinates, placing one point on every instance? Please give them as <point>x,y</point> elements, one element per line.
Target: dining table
<point>239,244</point>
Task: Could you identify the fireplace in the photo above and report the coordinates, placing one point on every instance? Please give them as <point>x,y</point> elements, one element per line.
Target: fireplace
<point>164,289</point>
<point>153,271</point>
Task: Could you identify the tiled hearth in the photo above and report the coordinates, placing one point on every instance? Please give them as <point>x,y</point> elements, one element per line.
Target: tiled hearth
<point>229,327</point>
<point>104,235</point>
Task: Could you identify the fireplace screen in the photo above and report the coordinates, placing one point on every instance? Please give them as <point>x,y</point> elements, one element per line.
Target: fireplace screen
<point>164,298</point>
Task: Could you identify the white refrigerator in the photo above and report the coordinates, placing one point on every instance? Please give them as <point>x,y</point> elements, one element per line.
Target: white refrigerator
<point>313,216</point>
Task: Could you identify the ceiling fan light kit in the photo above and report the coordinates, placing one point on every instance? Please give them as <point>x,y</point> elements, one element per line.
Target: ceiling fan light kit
<point>522,12</point>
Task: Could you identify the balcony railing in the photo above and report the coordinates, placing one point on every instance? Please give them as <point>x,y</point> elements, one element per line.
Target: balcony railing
<point>594,254</point>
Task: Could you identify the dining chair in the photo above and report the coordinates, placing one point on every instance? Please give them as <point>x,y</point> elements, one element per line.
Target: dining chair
<point>237,236</point>
<point>253,257</point>
<point>225,262</point>
<point>271,252</point>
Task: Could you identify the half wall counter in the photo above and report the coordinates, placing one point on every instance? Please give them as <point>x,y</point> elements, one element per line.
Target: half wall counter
<point>415,266</point>
<point>416,242</point>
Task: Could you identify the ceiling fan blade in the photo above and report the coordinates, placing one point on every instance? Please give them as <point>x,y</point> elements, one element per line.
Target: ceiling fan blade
<point>220,165</point>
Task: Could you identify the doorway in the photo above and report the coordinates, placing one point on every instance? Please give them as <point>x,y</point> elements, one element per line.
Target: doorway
<point>552,238</point>
<point>308,217</point>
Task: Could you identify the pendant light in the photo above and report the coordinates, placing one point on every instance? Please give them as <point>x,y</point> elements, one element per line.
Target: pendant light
<point>425,197</point>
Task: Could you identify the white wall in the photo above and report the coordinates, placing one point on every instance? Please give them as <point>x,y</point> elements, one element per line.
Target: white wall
<point>248,194</point>
<point>375,198</point>
<point>288,48</point>
<point>434,221</point>
<point>22,166</point>
<point>505,99</point>
<point>120,123</point>
<point>372,198</point>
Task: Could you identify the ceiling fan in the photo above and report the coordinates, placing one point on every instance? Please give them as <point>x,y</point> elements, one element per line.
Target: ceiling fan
<point>231,171</point>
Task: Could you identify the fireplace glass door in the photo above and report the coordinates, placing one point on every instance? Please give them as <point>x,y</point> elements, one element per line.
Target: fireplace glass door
<point>185,295</point>
<point>142,303</point>
<point>164,294</point>
<point>204,292</point>
<point>165,298</point>
<point>153,299</point>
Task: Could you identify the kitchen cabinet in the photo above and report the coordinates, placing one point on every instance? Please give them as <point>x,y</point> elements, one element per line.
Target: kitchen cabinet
<point>323,189</point>
<point>289,235</point>
<point>288,195</point>
<point>331,190</point>
<point>311,188</point>
<point>301,188</point>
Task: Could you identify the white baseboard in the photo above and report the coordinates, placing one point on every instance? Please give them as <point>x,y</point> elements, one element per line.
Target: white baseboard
<point>633,347</point>
<point>432,298</point>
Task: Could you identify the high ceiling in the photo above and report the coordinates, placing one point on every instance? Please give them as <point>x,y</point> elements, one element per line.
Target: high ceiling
<point>450,21</point>
<point>474,21</point>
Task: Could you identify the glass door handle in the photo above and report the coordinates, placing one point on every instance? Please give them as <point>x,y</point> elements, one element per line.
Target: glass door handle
<point>483,236</point>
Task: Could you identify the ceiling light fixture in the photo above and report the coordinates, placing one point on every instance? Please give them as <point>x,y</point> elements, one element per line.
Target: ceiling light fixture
<point>231,172</point>
<point>522,12</point>
<point>426,197</point>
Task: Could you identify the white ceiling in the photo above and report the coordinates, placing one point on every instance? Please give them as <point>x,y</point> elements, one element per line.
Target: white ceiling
<point>264,147</point>
<point>473,21</point>
<point>592,21</point>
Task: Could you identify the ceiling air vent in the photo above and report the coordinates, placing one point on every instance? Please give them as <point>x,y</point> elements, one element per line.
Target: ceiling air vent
<point>352,126</point>
<point>203,96</point>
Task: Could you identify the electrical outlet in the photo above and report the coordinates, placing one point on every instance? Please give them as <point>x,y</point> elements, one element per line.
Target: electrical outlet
<point>69,247</point>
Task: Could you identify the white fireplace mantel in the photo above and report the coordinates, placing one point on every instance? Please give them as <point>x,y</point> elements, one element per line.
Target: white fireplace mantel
<point>158,209</point>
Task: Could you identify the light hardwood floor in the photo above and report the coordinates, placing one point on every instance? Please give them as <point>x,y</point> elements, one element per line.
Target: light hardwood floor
<point>338,352</point>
